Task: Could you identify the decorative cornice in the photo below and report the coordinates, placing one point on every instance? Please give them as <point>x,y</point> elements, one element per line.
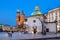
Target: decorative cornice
<point>50,11</point>
<point>35,15</point>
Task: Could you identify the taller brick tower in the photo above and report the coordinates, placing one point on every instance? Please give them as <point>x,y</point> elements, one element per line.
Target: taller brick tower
<point>17,17</point>
<point>22,18</point>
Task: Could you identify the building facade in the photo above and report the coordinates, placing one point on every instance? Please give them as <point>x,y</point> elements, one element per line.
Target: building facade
<point>37,20</point>
<point>6,28</point>
<point>54,15</point>
<point>20,18</point>
<point>49,22</point>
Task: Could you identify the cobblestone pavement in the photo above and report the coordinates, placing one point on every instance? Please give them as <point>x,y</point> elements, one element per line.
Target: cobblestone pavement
<point>19,36</point>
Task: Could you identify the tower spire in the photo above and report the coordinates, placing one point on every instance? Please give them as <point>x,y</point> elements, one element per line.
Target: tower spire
<point>22,12</point>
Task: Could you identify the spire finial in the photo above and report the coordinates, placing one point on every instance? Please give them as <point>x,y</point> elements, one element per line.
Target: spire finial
<point>22,11</point>
<point>36,7</point>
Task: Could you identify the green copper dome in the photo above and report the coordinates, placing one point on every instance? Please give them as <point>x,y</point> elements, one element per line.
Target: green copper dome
<point>36,13</point>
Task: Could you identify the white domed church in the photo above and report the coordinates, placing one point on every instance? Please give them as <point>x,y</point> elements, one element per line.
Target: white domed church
<point>36,20</point>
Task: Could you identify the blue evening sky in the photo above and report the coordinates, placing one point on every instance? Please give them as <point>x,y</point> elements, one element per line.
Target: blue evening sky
<point>8,8</point>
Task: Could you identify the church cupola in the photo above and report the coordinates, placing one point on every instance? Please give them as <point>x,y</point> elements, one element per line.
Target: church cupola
<point>37,12</point>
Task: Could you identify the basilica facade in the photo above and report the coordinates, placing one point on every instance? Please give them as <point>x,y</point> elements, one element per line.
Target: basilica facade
<point>36,20</point>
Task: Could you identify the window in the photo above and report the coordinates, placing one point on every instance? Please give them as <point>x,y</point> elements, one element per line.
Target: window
<point>34,21</point>
<point>26,20</point>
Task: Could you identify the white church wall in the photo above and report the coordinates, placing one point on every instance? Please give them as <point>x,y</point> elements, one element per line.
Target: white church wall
<point>36,24</point>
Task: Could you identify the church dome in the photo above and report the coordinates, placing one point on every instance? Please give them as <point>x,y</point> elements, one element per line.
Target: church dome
<point>37,12</point>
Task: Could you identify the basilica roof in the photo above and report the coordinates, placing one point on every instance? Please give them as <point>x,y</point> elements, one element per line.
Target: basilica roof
<point>36,13</point>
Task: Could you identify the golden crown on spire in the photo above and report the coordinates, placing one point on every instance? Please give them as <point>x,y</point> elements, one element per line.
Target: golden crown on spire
<point>36,7</point>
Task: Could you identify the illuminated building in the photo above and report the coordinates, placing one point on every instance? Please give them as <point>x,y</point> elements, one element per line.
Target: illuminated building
<point>33,20</point>
<point>40,21</point>
<point>37,20</point>
<point>22,18</point>
<point>5,27</point>
<point>19,18</point>
<point>54,15</point>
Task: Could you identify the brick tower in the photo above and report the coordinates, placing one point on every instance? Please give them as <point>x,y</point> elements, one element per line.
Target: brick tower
<point>22,18</point>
